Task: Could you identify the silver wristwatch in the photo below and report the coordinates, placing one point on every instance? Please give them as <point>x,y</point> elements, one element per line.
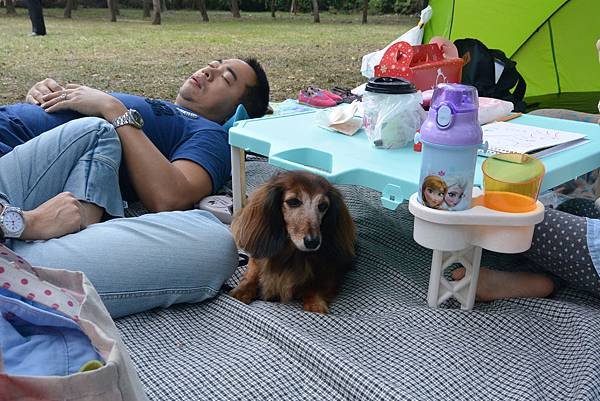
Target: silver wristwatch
<point>131,117</point>
<point>12,222</point>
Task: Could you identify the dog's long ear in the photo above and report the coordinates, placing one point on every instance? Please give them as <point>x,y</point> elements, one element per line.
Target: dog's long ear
<point>259,228</point>
<point>337,227</point>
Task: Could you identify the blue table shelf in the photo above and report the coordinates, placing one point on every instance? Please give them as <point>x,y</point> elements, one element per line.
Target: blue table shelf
<point>295,142</point>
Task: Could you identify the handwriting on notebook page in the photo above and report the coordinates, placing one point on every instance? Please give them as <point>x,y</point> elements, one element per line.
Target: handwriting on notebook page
<point>505,137</point>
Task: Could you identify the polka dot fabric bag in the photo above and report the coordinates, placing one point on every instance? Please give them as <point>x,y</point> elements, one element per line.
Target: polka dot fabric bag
<point>57,340</point>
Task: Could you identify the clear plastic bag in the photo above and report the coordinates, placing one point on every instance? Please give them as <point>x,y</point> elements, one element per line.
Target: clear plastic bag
<point>391,121</point>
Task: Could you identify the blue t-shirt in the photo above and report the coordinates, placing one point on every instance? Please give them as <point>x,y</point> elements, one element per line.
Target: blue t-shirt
<point>177,133</point>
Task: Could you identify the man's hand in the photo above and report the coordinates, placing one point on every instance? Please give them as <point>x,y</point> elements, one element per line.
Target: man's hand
<point>84,100</point>
<point>54,218</point>
<point>36,93</point>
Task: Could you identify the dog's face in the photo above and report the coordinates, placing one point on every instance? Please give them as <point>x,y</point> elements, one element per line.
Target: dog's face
<point>303,209</point>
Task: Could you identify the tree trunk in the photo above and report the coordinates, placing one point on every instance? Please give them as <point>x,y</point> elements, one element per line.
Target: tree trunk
<point>10,8</point>
<point>316,18</point>
<point>418,6</point>
<point>273,8</point>
<point>68,8</point>
<point>365,11</point>
<point>235,9</point>
<point>163,6</point>
<point>156,11</point>
<point>202,6</point>
<point>112,6</point>
<point>147,6</point>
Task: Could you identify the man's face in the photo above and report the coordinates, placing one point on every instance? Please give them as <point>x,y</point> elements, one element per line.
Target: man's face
<point>214,91</point>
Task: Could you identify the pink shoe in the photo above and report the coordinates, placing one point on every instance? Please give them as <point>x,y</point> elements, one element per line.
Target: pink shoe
<point>315,99</point>
<point>337,99</point>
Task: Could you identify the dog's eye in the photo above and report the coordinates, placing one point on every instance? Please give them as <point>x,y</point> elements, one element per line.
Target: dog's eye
<point>323,206</point>
<point>294,202</point>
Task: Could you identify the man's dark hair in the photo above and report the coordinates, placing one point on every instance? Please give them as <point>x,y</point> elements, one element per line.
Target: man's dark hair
<point>256,98</point>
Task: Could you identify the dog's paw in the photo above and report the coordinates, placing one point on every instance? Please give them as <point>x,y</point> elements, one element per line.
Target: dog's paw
<point>316,306</point>
<point>244,294</point>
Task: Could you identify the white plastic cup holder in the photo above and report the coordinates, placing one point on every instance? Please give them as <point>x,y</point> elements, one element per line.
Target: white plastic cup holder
<point>460,236</point>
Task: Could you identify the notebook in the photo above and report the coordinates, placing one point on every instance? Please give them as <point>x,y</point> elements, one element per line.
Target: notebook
<point>505,137</point>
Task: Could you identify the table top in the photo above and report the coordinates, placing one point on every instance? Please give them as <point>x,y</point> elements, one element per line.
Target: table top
<point>296,142</point>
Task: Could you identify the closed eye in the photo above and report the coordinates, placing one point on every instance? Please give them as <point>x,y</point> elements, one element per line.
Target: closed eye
<point>293,202</point>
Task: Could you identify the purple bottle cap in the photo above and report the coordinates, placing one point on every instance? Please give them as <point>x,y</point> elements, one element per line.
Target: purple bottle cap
<point>452,118</point>
<point>463,98</point>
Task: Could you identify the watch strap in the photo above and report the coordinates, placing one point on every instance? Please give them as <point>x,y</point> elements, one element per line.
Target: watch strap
<point>4,203</point>
<point>127,119</point>
<point>123,119</point>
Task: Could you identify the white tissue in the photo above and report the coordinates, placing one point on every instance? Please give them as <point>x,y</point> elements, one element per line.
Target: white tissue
<point>341,118</point>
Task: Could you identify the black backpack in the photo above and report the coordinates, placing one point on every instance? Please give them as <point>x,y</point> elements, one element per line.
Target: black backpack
<point>479,70</point>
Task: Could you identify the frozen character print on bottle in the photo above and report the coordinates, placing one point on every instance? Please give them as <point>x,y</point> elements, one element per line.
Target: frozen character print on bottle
<point>433,192</point>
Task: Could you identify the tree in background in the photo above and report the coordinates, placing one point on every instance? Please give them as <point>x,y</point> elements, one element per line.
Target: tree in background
<point>68,8</point>
<point>316,18</point>
<point>365,11</point>
<point>147,6</point>
<point>235,9</point>
<point>112,6</point>
<point>156,11</point>
<point>10,8</point>
<point>411,7</point>
<point>203,13</point>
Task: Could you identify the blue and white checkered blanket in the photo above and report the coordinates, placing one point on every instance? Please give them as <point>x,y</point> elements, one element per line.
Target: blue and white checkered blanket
<point>380,341</point>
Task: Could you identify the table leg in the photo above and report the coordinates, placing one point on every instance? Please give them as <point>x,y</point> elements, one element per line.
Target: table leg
<point>238,177</point>
<point>474,273</point>
<point>463,290</point>
<point>437,260</point>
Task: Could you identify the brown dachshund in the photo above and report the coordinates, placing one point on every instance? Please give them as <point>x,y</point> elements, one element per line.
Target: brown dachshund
<point>300,238</point>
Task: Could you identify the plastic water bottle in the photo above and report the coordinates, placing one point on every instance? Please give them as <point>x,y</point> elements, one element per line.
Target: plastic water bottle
<point>450,136</point>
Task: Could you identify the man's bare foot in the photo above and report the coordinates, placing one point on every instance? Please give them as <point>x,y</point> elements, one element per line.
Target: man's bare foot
<point>493,284</point>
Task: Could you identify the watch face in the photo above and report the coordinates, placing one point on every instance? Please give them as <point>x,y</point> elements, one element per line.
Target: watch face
<point>13,221</point>
<point>137,118</point>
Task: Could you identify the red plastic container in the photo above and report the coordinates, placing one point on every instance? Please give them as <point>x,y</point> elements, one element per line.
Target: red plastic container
<point>423,65</point>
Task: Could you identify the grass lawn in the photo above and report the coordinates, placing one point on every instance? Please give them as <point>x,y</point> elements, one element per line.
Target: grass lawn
<point>134,56</point>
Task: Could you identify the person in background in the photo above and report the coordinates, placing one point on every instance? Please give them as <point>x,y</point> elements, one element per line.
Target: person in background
<point>36,15</point>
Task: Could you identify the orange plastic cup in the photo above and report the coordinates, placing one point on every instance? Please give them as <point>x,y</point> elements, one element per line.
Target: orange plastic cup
<point>511,182</point>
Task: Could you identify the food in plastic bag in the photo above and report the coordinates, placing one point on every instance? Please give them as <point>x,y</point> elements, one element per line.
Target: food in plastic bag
<point>392,112</point>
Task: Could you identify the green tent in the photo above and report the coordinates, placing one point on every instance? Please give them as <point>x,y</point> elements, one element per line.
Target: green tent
<point>552,41</point>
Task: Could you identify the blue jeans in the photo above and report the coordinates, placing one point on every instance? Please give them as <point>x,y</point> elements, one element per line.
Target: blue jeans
<point>136,264</point>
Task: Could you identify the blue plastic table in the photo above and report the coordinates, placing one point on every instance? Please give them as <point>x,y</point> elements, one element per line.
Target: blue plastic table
<point>295,142</point>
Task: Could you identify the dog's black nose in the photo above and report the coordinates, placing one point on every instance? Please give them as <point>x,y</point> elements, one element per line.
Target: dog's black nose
<point>312,242</point>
